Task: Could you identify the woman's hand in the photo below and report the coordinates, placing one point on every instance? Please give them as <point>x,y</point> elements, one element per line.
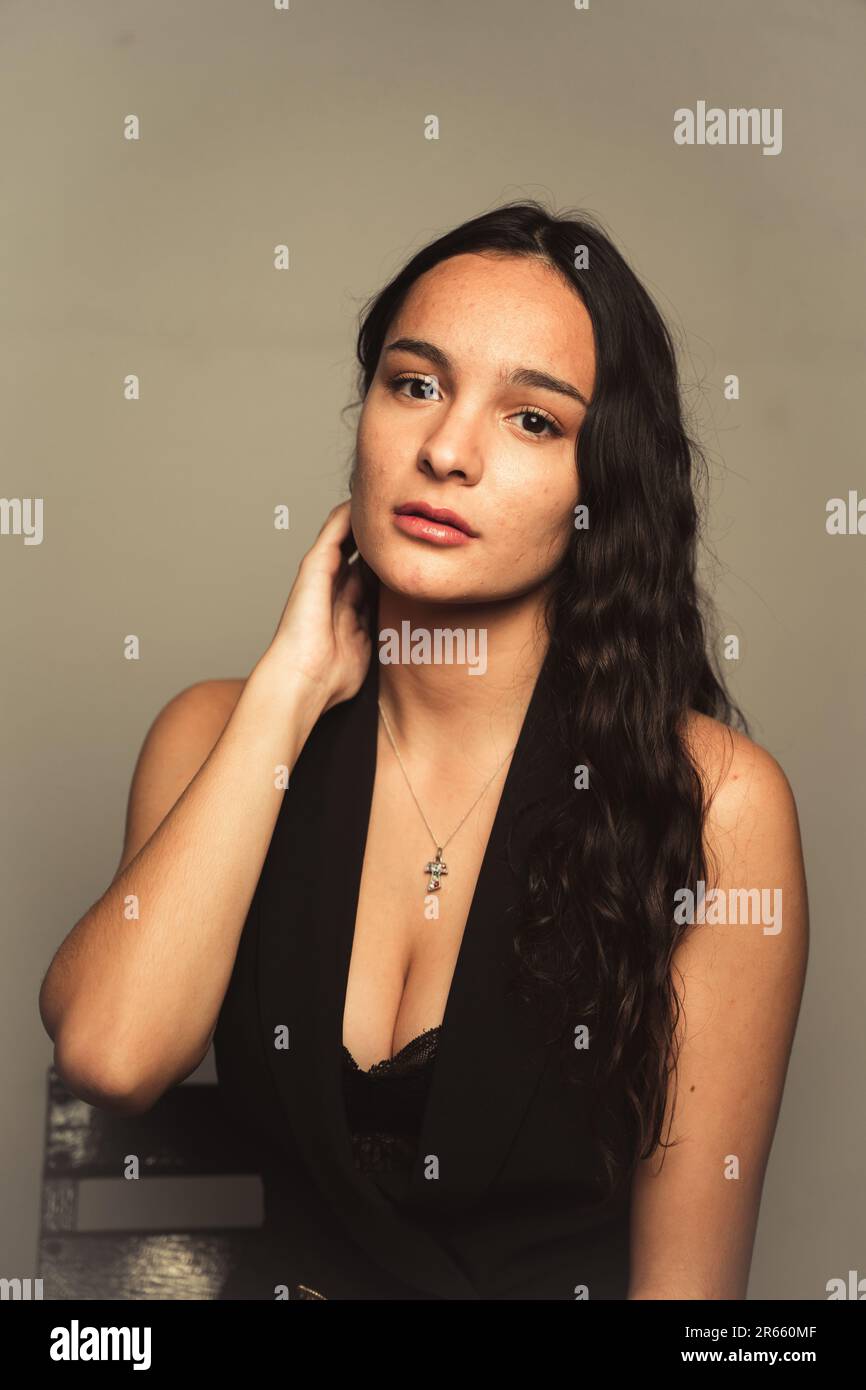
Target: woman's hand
<point>321,636</point>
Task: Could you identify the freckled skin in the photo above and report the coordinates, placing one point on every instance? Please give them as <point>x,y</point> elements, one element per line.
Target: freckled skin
<point>467,447</point>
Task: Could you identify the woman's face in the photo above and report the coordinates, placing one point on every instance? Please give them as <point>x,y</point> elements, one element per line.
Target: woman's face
<point>444,424</point>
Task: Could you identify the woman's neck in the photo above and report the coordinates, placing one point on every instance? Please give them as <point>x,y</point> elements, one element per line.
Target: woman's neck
<point>472,675</point>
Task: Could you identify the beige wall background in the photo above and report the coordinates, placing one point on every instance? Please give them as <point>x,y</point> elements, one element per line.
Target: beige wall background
<point>155,257</point>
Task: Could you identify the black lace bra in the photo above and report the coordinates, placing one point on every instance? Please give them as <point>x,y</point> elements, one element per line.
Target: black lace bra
<point>385,1105</point>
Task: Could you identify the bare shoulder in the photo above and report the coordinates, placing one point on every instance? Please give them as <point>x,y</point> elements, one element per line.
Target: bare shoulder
<point>211,700</point>
<point>752,825</point>
<point>736,772</point>
<point>192,721</point>
<point>177,744</point>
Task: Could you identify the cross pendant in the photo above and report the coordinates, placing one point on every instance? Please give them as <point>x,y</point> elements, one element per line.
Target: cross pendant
<point>436,868</point>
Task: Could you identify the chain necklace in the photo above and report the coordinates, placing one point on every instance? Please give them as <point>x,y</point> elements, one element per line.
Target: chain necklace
<point>437,867</point>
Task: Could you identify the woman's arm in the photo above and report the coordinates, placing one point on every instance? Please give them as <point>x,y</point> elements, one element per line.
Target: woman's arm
<point>740,983</point>
<point>133,994</point>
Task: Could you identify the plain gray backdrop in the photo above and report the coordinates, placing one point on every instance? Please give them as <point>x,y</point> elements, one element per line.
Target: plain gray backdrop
<point>155,257</point>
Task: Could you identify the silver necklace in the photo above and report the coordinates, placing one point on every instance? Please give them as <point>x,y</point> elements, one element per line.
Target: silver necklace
<point>435,868</point>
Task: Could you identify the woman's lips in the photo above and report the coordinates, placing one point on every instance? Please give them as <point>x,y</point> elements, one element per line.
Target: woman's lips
<point>438,532</point>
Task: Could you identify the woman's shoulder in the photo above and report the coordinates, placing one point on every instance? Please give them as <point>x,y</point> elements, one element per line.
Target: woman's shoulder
<point>197,715</point>
<point>754,847</point>
<point>213,697</point>
<point>734,769</point>
<point>177,744</point>
<point>190,723</point>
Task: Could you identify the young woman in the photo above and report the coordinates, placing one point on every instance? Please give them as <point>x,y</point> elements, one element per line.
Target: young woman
<point>455,880</point>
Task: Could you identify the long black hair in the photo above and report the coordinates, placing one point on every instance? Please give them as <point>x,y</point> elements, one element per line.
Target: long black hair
<point>629,657</point>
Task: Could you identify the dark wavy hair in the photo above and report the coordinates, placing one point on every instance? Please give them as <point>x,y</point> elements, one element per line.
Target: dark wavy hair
<point>629,657</point>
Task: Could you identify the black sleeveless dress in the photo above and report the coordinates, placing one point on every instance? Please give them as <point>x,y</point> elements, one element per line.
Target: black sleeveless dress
<point>461,1168</point>
<point>385,1110</point>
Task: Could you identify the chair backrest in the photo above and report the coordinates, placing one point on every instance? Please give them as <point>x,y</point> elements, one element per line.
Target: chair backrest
<point>160,1234</point>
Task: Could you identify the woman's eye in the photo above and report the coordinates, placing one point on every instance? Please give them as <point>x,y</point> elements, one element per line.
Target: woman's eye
<point>427,387</point>
<point>542,421</point>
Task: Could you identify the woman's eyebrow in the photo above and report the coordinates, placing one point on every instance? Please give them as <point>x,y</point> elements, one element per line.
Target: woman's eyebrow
<point>528,376</point>
<point>520,376</point>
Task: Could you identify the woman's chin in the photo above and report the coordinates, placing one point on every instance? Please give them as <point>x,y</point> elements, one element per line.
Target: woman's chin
<point>429,591</point>
<point>433,579</point>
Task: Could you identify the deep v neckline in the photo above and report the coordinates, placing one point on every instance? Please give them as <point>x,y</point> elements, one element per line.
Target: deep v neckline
<point>370,692</point>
